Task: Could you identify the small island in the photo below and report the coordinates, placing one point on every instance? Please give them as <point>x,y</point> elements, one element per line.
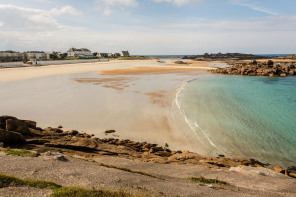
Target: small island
<point>281,69</point>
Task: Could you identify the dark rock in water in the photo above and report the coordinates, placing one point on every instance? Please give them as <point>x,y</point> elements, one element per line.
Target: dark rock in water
<point>110,131</point>
<point>17,126</point>
<point>60,127</point>
<point>221,155</point>
<point>11,137</point>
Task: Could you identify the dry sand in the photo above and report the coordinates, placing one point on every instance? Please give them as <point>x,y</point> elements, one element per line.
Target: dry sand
<point>132,97</point>
<point>107,68</point>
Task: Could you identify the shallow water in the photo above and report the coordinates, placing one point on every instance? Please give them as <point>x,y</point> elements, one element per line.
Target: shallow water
<point>252,117</point>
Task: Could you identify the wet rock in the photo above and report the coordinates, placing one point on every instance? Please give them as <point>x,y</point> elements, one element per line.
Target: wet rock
<point>11,137</point>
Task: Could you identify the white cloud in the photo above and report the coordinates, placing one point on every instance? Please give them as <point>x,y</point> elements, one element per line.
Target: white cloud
<point>253,6</point>
<point>180,2</point>
<point>259,24</point>
<point>108,11</point>
<point>36,29</point>
<point>28,19</point>
<point>121,2</point>
<point>109,7</point>
<point>64,10</point>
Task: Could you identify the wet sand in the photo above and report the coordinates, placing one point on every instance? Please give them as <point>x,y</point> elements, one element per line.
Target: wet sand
<point>132,97</point>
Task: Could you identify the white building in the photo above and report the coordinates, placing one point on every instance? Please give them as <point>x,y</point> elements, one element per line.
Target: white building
<point>102,55</point>
<point>82,53</point>
<point>10,56</point>
<point>124,54</point>
<point>36,55</point>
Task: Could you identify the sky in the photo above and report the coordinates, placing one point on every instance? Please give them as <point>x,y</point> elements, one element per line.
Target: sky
<point>150,27</point>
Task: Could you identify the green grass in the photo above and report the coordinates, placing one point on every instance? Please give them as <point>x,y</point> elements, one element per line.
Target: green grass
<point>6,181</point>
<point>23,152</point>
<point>81,192</point>
<point>129,170</point>
<point>203,180</point>
<point>58,190</point>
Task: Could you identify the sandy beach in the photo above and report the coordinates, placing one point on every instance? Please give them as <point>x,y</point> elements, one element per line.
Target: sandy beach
<point>132,97</point>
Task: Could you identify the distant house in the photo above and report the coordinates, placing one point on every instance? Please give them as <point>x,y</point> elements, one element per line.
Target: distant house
<point>102,55</point>
<point>124,54</point>
<point>117,54</point>
<point>11,56</point>
<point>82,53</point>
<point>36,55</point>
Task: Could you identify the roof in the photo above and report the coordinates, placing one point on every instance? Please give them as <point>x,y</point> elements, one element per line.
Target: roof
<point>71,49</point>
<point>8,51</point>
<point>85,49</point>
<point>34,52</point>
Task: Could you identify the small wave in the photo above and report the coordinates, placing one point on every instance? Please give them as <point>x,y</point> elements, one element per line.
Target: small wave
<point>193,126</point>
<point>206,135</point>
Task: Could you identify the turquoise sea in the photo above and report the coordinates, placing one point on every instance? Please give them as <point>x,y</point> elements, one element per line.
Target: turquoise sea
<point>249,117</point>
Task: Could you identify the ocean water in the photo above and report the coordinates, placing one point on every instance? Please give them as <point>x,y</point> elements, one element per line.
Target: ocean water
<point>248,117</point>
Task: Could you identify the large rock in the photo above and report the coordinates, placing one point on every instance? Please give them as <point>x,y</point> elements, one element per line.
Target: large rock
<point>3,121</point>
<point>11,137</point>
<point>17,126</point>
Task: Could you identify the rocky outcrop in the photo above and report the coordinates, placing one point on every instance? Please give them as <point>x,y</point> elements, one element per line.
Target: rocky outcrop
<point>288,57</point>
<point>11,137</point>
<point>256,69</point>
<point>221,56</point>
<point>82,144</point>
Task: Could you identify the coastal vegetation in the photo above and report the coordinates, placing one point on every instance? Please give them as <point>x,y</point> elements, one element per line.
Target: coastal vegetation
<point>23,152</point>
<point>204,180</point>
<point>58,190</point>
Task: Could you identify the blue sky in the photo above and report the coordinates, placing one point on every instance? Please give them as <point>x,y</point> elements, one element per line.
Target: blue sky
<point>149,26</point>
